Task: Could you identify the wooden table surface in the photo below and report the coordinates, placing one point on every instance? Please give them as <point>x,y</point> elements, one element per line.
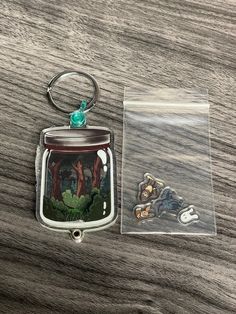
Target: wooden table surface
<point>179,43</point>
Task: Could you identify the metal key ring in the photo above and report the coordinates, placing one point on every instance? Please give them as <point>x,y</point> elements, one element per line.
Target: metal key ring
<point>64,74</point>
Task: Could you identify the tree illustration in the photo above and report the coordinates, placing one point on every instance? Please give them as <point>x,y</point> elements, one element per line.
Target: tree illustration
<point>96,172</point>
<point>54,167</point>
<point>78,166</point>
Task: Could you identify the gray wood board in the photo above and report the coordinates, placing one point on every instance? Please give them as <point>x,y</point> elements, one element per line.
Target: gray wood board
<point>185,44</point>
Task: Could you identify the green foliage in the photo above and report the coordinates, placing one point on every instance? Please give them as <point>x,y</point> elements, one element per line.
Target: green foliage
<point>95,191</point>
<point>70,200</point>
<point>96,209</point>
<point>76,206</point>
<point>59,205</point>
<point>71,207</point>
<point>50,210</point>
<point>84,202</point>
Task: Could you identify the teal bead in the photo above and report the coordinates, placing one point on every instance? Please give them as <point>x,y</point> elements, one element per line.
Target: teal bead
<point>77,119</point>
<point>83,105</point>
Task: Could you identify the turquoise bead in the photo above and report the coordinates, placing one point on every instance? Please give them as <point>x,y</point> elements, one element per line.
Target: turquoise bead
<point>77,119</point>
<point>83,105</point>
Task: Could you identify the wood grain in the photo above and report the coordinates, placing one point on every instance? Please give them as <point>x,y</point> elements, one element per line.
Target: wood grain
<point>179,43</point>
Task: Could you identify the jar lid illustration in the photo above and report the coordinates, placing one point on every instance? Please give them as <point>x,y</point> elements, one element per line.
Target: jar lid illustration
<point>83,137</point>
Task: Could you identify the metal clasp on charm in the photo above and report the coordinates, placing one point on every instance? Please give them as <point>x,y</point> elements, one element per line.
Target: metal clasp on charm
<point>77,235</point>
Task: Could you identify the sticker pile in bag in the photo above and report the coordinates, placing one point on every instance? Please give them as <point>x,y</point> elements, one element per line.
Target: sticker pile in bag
<point>156,199</point>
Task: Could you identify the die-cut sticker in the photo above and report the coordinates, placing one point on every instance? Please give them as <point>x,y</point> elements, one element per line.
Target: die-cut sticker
<point>158,200</point>
<point>150,188</point>
<point>188,215</point>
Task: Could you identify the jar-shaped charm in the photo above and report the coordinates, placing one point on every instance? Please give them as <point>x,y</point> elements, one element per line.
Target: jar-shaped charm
<point>75,179</point>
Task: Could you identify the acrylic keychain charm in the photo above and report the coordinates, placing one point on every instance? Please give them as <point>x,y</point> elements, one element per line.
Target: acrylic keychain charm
<point>74,171</point>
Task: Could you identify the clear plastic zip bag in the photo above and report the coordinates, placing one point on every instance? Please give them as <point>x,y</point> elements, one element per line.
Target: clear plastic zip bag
<point>166,172</point>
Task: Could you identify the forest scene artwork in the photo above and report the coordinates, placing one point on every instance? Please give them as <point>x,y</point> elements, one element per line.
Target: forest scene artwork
<point>78,186</point>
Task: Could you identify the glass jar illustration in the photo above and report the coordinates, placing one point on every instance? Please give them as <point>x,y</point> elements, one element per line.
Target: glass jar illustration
<point>75,186</point>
